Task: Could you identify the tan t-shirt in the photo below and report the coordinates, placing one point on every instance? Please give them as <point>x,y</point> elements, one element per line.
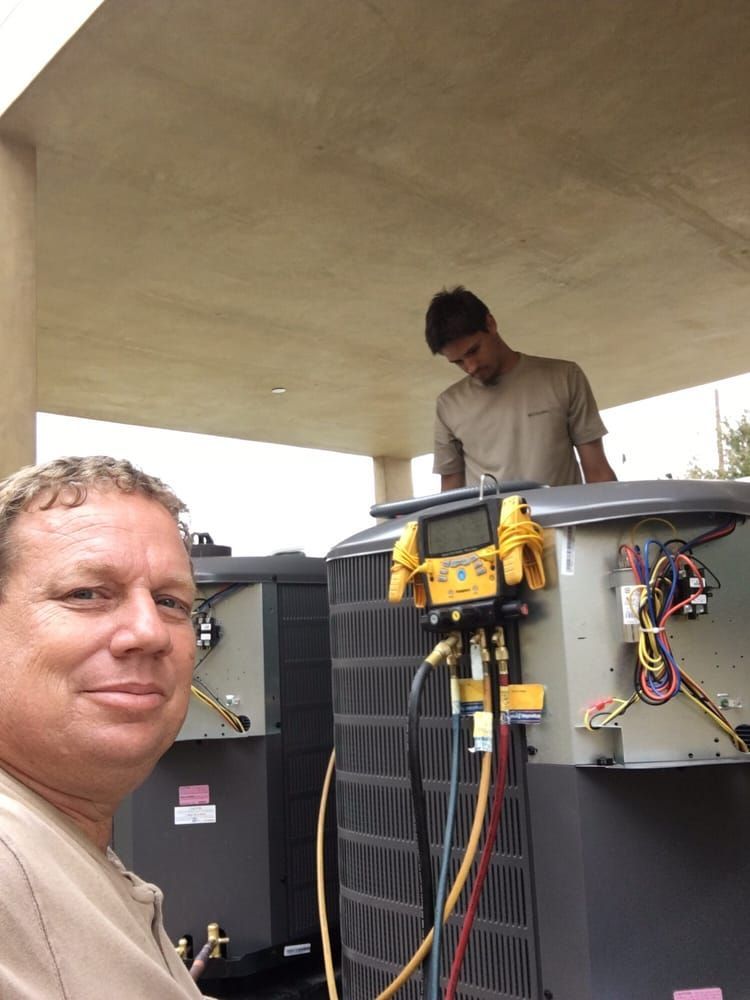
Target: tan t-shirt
<point>523,427</point>
<point>74,925</point>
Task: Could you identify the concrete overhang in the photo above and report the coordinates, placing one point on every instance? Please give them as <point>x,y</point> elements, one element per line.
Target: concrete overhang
<point>237,196</point>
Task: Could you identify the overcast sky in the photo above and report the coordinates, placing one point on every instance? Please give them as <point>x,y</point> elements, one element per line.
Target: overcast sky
<point>261,498</point>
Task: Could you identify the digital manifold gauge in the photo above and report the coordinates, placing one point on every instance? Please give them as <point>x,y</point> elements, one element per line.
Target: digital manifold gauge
<point>453,560</point>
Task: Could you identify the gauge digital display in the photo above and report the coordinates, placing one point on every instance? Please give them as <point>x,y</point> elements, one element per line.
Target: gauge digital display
<point>464,531</point>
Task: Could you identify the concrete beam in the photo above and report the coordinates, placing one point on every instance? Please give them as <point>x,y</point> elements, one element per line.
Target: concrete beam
<point>392,479</point>
<point>17,306</point>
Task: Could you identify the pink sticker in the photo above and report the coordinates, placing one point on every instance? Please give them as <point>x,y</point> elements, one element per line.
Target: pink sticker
<point>199,795</point>
<point>709,993</point>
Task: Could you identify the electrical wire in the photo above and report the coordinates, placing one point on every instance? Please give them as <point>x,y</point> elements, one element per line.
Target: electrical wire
<point>325,933</point>
<point>211,701</point>
<point>419,805</point>
<point>205,605</point>
<point>204,658</point>
<point>648,520</point>
<point>206,696</point>
<point>713,533</point>
<point>658,678</point>
<point>218,596</point>
<point>597,710</point>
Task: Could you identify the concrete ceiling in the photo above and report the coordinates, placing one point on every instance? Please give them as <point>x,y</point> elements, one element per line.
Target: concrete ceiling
<point>234,196</point>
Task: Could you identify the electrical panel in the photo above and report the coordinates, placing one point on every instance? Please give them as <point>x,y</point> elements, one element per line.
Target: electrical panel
<point>233,665</point>
<point>580,643</point>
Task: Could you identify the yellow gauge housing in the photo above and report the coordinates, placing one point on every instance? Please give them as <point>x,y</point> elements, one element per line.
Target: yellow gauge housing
<point>455,579</point>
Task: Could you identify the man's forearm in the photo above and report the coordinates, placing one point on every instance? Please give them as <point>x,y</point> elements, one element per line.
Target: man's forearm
<point>596,468</point>
<point>452,481</point>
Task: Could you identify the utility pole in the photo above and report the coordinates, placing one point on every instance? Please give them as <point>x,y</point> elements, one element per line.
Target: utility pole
<point>719,435</point>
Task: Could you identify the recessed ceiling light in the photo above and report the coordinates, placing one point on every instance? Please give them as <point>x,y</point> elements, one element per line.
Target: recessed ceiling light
<point>278,389</point>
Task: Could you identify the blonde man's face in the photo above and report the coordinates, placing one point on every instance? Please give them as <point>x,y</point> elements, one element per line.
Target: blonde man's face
<point>98,641</point>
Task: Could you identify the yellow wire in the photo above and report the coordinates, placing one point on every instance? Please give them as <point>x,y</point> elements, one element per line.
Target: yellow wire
<point>622,706</point>
<point>228,716</point>
<point>650,520</point>
<point>714,714</point>
<point>651,658</point>
<point>321,886</point>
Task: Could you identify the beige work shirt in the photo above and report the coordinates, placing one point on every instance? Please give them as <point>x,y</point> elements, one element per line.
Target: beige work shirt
<point>523,427</point>
<point>74,925</point>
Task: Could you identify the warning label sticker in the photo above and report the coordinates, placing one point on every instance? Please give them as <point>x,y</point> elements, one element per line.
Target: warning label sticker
<point>194,795</point>
<point>707,993</point>
<point>184,815</point>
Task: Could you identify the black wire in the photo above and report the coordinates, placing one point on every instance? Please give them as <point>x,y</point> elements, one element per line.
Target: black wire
<point>204,657</point>
<point>597,715</point>
<point>643,694</point>
<point>716,585</point>
<point>213,599</point>
<point>421,830</point>
<point>711,534</point>
<point>685,547</point>
<point>206,604</point>
<point>206,688</point>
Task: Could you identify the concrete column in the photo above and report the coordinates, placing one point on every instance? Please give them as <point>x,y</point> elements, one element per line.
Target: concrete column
<point>392,479</point>
<point>17,306</point>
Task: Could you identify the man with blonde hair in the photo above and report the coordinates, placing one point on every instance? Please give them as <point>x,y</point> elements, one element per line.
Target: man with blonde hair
<point>96,592</point>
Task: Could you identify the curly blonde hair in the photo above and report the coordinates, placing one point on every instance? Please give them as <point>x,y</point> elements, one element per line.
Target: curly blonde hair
<point>66,481</point>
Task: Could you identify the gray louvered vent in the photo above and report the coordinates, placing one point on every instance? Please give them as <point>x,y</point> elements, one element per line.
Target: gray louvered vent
<point>376,648</point>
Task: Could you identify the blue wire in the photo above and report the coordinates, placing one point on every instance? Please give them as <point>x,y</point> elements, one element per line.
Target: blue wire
<point>640,574</point>
<point>433,971</point>
<point>658,686</point>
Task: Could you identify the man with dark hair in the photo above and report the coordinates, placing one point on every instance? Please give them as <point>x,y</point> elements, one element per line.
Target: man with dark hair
<point>96,593</point>
<point>515,416</point>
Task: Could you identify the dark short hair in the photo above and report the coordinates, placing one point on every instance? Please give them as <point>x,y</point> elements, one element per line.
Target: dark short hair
<point>66,481</point>
<point>452,314</point>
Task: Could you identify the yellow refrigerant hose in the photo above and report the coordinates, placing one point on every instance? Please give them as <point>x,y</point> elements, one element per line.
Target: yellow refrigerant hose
<point>450,904</point>
<point>320,875</point>
<point>463,873</point>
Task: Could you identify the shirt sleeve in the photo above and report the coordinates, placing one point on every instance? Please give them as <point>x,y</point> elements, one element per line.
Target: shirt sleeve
<point>584,422</point>
<point>448,451</point>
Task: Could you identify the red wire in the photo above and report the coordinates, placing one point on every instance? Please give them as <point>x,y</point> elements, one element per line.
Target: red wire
<point>635,560</point>
<point>727,529</point>
<point>484,863</point>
